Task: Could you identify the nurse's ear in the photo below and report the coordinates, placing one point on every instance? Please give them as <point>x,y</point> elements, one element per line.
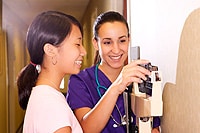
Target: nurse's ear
<point>129,38</point>
<point>50,50</point>
<point>95,43</point>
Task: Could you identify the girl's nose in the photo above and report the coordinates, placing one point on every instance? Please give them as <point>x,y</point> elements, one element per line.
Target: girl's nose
<point>83,51</point>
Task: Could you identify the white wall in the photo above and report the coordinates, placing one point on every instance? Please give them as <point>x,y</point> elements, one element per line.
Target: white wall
<point>156,27</point>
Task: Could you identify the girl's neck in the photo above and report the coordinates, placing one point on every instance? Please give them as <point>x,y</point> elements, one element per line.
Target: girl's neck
<point>51,80</point>
<point>46,81</point>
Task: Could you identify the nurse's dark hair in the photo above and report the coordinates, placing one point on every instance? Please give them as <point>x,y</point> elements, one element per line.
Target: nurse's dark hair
<point>48,27</point>
<point>110,16</point>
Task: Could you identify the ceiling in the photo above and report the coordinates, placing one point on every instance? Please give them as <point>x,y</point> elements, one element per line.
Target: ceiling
<point>25,10</point>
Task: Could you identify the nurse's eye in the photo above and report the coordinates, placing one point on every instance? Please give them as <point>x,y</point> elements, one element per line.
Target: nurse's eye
<point>123,40</point>
<point>107,42</point>
<point>78,44</point>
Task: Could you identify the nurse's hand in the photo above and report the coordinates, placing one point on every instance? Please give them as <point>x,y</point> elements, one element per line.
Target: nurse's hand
<point>155,130</point>
<point>130,73</point>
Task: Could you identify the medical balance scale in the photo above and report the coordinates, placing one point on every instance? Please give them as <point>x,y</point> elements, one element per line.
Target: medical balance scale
<point>143,99</point>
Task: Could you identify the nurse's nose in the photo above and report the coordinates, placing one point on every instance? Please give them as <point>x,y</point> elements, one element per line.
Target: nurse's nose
<point>115,48</point>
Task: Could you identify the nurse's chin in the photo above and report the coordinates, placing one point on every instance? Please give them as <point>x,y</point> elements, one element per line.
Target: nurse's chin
<point>117,65</point>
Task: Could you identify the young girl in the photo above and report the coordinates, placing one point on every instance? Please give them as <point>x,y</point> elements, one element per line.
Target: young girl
<point>54,42</point>
<point>95,94</point>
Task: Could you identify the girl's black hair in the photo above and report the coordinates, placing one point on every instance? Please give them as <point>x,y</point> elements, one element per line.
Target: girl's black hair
<point>48,27</point>
<point>110,16</point>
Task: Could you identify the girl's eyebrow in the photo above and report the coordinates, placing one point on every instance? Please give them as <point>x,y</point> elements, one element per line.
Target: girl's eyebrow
<point>79,38</point>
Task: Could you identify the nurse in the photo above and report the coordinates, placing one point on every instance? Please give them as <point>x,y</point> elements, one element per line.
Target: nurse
<point>95,94</point>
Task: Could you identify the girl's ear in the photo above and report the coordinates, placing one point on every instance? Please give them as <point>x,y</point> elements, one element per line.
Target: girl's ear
<point>95,43</point>
<point>50,50</point>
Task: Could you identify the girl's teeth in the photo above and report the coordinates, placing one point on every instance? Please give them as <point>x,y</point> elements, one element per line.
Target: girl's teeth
<point>78,62</point>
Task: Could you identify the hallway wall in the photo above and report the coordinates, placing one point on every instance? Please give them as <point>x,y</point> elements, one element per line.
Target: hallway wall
<point>156,27</point>
<point>3,85</point>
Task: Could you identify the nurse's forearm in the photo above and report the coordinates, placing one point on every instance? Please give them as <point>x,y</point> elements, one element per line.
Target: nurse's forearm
<point>96,119</point>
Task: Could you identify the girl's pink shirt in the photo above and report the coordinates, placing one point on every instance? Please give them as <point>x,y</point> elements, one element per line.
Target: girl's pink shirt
<point>47,111</point>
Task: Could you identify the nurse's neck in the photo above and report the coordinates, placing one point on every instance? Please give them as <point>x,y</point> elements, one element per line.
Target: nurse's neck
<point>111,73</point>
